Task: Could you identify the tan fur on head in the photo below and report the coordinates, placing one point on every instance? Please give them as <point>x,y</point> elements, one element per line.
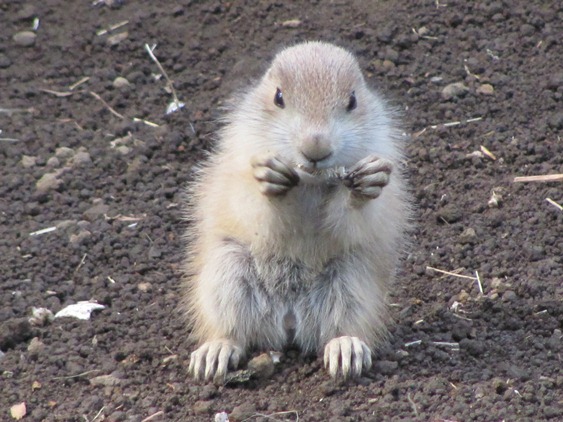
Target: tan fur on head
<point>288,219</point>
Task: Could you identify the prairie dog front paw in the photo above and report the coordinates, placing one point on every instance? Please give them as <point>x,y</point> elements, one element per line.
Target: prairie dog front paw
<point>275,178</point>
<point>212,360</point>
<point>368,177</point>
<point>347,357</point>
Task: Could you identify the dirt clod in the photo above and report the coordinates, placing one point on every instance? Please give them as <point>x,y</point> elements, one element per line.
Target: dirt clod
<point>242,412</point>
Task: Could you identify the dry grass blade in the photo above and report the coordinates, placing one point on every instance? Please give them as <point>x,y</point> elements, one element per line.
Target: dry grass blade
<point>488,153</point>
<point>540,178</point>
<point>57,93</point>
<point>110,109</point>
<point>153,416</point>
<point>169,82</point>
<point>450,273</point>
<point>555,204</point>
<point>80,82</point>
<point>10,111</point>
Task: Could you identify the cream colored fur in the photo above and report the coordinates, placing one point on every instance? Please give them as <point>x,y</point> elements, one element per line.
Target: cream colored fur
<point>313,257</point>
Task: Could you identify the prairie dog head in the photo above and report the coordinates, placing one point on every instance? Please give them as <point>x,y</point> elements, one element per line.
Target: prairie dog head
<point>313,110</point>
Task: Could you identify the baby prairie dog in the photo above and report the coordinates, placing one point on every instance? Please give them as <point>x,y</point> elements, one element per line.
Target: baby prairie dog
<point>297,218</point>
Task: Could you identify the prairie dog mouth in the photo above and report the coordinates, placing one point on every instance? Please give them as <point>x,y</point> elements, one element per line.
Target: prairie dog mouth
<point>318,176</point>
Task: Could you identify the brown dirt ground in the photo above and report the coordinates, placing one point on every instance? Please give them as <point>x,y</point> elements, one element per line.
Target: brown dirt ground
<point>115,199</point>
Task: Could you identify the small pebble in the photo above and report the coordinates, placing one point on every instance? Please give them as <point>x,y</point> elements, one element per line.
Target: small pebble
<point>105,380</point>
<point>64,152</point>
<point>457,89</point>
<point>201,407</point>
<point>35,346</point>
<point>145,286</point>
<point>81,157</point>
<point>80,238</point>
<point>28,161</point>
<point>123,149</point>
<point>243,412</point>
<point>53,162</point>
<point>40,317</point>
<point>120,82</point>
<point>388,65</point>
<point>25,38</point>
<point>262,366</point>
<point>48,181</point>
<point>208,392</point>
<point>495,200</point>
<point>486,89</point>
<point>467,236</point>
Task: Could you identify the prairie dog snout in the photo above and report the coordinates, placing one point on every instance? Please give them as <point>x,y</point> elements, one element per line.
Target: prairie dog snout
<point>316,148</point>
<point>297,218</point>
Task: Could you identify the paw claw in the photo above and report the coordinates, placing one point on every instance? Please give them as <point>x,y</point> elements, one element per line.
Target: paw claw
<point>346,357</point>
<point>367,177</point>
<point>213,359</point>
<point>275,177</point>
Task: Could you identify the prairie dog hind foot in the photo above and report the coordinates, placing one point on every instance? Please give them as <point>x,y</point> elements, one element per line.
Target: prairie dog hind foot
<point>347,357</point>
<point>212,360</point>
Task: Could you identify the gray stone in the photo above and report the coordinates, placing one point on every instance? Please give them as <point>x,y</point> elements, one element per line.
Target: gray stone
<point>25,38</point>
<point>64,153</point>
<point>49,181</point>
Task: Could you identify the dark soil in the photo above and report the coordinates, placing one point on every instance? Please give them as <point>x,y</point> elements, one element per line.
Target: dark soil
<point>115,199</point>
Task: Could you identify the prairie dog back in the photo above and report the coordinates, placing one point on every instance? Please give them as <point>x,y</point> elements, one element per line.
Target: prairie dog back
<point>298,218</point>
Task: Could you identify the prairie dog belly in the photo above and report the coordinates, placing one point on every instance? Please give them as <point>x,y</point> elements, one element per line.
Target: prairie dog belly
<point>284,301</point>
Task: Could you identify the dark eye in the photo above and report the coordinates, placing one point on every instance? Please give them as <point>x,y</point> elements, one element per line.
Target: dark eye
<point>278,99</point>
<point>352,103</point>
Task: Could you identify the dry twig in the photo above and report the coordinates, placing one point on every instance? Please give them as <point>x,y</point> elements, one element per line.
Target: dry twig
<point>154,415</point>
<point>176,103</point>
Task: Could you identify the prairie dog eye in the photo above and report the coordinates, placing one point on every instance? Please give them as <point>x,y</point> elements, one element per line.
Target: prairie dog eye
<point>278,99</point>
<point>352,102</point>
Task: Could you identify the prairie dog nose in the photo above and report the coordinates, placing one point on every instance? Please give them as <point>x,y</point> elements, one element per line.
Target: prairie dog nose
<point>316,147</point>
